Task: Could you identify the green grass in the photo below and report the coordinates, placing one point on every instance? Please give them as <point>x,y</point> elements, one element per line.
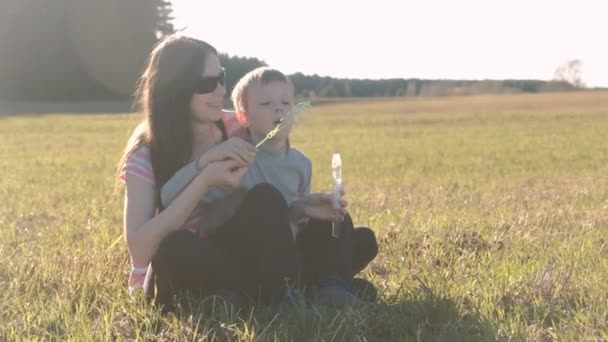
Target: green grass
<point>491,213</point>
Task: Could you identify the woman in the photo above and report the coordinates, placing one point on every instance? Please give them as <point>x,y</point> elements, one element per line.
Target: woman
<point>181,93</point>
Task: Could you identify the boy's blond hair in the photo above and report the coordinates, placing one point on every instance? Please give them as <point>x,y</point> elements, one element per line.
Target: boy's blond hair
<point>264,75</point>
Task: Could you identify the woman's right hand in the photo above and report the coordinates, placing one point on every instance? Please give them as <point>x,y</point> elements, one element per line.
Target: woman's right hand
<point>224,173</point>
<point>234,148</point>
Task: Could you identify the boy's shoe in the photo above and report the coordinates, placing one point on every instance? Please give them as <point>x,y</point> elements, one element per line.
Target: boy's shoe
<point>364,290</point>
<point>222,302</point>
<point>334,291</point>
<point>294,302</point>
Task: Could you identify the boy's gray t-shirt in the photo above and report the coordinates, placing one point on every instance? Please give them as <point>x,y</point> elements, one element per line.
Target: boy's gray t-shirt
<point>289,171</point>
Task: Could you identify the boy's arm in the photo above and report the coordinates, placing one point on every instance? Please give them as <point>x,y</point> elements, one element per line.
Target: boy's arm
<point>296,210</point>
<point>177,183</point>
<point>181,179</point>
<point>304,187</point>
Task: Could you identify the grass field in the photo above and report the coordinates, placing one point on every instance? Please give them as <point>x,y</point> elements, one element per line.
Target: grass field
<point>491,213</point>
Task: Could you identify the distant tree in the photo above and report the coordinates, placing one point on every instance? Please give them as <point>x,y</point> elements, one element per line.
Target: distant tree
<point>236,67</point>
<point>427,89</point>
<point>77,49</point>
<point>570,72</point>
<point>328,91</point>
<point>347,91</point>
<point>36,58</point>
<point>557,86</point>
<point>526,86</point>
<point>164,18</point>
<point>113,38</point>
<point>411,89</point>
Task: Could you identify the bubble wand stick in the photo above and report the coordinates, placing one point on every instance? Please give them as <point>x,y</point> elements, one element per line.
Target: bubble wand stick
<point>336,172</point>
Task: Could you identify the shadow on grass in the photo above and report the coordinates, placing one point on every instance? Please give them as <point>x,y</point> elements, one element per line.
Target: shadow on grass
<point>426,319</point>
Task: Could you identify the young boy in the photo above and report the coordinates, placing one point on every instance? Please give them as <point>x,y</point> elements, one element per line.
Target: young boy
<point>262,99</point>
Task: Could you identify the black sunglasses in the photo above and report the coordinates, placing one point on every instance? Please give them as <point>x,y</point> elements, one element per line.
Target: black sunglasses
<point>207,84</point>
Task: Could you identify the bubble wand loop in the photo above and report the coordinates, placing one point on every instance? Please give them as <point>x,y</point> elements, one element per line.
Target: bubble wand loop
<point>296,110</point>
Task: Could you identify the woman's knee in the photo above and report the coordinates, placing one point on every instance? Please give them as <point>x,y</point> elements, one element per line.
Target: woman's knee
<point>173,246</point>
<point>177,239</point>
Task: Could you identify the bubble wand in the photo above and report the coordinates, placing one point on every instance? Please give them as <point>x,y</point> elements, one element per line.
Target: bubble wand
<point>290,116</point>
<point>336,172</point>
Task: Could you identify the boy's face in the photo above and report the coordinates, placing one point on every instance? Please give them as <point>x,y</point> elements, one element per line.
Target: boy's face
<point>266,105</point>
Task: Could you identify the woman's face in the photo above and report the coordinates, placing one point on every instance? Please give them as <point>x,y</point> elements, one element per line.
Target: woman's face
<point>207,106</point>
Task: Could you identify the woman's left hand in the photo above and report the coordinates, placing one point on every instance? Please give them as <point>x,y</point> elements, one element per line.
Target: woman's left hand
<point>319,206</point>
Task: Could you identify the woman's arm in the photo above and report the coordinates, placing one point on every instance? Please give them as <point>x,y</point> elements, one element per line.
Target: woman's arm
<point>143,230</point>
<point>178,182</point>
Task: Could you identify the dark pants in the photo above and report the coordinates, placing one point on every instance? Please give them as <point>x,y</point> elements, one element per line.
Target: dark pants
<point>323,255</point>
<point>253,253</point>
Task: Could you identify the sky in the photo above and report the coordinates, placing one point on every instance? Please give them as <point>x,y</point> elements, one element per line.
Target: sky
<point>431,39</point>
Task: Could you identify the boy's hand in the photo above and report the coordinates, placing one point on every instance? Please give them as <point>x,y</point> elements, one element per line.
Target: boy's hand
<point>234,148</point>
<point>320,206</point>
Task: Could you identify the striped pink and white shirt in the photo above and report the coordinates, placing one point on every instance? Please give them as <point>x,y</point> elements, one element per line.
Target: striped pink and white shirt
<point>139,164</point>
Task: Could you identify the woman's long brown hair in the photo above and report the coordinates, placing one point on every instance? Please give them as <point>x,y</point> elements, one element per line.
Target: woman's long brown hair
<point>163,96</point>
